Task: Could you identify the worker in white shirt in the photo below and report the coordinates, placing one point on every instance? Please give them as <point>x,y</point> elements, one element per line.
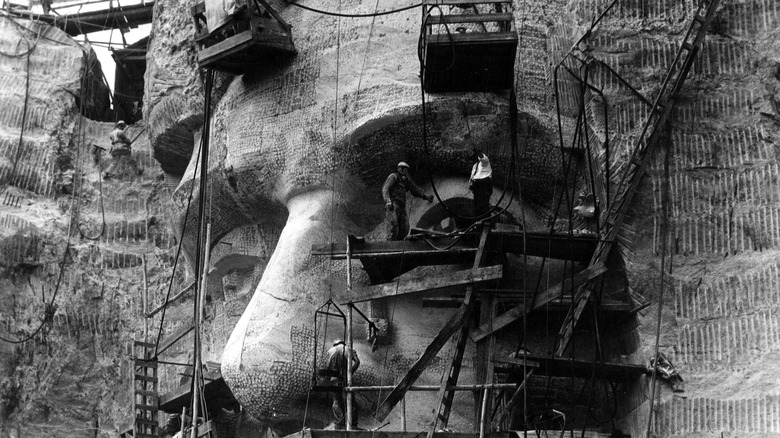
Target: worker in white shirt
<point>481,183</point>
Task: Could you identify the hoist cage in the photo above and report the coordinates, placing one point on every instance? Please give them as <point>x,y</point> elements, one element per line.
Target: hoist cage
<point>467,45</point>
<point>251,36</point>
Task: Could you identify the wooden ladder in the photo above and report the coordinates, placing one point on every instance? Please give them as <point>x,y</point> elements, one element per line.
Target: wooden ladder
<point>145,391</point>
<point>452,371</point>
<point>632,174</point>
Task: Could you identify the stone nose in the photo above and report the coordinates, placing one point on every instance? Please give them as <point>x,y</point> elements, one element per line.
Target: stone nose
<point>267,362</point>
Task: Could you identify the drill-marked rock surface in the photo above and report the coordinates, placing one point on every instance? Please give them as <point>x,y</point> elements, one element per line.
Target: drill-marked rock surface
<point>73,249</point>
<point>299,150</point>
<point>302,145</point>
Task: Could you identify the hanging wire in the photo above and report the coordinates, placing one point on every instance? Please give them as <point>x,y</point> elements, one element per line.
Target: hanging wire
<point>664,248</point>
<point>178,250</point>
<point>340,15</point>
<point>80,226</point>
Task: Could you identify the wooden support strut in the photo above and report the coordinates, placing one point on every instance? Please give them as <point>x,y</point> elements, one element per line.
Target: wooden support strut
<point>452,372</point>
<point>398,393</point>
<point>515,398</point>
<point>540,300</point>
<point>426,283</point>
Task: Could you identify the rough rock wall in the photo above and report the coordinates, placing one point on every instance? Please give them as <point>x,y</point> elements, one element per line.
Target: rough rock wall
<point>291,145</point>
<point>73,249</point>
<point>720,314</point>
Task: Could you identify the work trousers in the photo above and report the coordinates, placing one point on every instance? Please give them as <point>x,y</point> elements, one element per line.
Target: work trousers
<point>340,409</point>
<point>397,222</point>
<point>482,189</point>
<point>121,153</point>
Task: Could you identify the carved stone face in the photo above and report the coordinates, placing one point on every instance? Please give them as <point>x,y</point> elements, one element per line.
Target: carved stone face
<point>299,151</point>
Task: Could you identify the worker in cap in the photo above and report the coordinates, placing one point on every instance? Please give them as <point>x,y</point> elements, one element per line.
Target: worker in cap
<point>120,146</point>
<point>337,367</point>
<point>394,194</point>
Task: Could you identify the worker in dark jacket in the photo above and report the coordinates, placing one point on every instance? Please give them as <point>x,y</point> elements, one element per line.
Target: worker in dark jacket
<point>120,147</point>
<point>337,367</point>
<point>394,193</point>
<point>119,140</point>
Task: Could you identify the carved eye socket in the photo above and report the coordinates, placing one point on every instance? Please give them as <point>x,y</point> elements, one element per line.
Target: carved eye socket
<point>456,215</point>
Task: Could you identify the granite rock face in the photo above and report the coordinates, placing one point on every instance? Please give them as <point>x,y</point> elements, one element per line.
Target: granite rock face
<point>301,146</point>
<point>74,247</point>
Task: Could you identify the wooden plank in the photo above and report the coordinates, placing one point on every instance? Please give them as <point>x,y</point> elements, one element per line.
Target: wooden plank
<point>463,2</point>
<point>455,322</point>
<point>319,433</point>
<point>541,299</point>
<point>561,304</point>
<point>468,18</point>
<point>565,367</point>
<point>215,391</point>
<point>557,246</point>
<point>426,283</point>
<point>173,299</point>
<point>509,38</point>
<point>175,337</point>
<point>146,378</point>
<point>515,361</point>
<point>225,47</point>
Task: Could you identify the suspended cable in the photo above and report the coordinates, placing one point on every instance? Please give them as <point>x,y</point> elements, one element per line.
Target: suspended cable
<point>340,15</point>
<point>664,247</point>
<point>178,249</point>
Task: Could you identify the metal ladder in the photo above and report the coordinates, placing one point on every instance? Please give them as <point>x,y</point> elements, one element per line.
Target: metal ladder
<point>145,391</point>
<point>634,170</point>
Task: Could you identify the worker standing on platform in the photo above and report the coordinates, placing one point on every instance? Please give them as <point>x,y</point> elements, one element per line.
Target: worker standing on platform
<point>394,193</point>
<point>120,146</point>
<point>481,183</point>
<point>337,367</point>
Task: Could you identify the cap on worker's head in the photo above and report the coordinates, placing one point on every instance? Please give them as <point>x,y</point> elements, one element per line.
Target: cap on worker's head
<point>120,123</point>
<point>338,342</point>
<point>403,164</point>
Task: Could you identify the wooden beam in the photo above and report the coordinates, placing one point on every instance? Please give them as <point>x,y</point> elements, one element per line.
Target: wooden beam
<point>175,336</point>
<point>507,239</point>
<point>541,299</point>
<point>426,283</point>
<point>565,367</point>
<point>173,299</point>
<point>462,2</point>
<point>451,373</point>
<point>558,305</point>
<point>468,18</point>
<point>455,322</point>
